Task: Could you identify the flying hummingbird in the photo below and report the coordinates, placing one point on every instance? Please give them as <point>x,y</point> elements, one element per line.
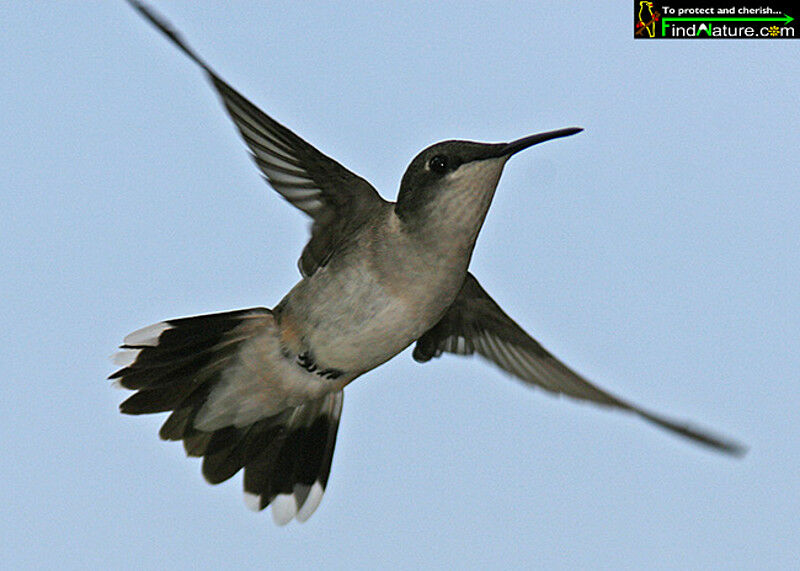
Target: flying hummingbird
<point>262,389</point>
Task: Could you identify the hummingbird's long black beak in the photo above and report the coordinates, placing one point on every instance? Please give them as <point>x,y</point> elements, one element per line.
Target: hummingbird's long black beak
<point>525,142</point>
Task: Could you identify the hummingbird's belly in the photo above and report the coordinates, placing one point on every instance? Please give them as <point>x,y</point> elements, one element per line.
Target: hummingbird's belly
<point>362,331</point>
<point>355,323</point>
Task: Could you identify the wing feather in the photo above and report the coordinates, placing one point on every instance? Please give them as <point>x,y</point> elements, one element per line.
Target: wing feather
<point>338,200</point>
<point>476,324</point>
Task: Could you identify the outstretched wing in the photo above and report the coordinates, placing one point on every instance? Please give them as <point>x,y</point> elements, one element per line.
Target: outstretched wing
<point>475,323</point>
<point>335,198</point>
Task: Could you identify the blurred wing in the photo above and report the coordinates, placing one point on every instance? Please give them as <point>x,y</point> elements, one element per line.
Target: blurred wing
<point>335,198</point>
<point>476,324</point>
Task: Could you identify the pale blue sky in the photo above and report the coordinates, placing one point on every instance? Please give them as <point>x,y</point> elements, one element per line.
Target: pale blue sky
<point>657,252</point>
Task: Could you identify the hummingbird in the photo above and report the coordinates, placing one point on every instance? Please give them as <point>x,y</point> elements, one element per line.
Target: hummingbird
<point>261,390</point>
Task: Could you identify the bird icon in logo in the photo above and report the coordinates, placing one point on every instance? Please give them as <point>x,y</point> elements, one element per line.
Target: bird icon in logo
<point>647,19</point>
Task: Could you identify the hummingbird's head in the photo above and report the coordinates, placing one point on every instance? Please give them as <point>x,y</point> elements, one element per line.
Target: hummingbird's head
<point>454,181</point>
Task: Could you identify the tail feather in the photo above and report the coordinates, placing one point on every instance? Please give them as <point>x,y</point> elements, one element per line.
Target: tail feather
<point>294,473</point>
<point>180,347</point>
<point>286,456</point>
<point>224,455</point>
<point>163,399</point>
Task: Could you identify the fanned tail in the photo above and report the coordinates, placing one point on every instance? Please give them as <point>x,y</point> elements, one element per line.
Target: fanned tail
<point>175,366</point>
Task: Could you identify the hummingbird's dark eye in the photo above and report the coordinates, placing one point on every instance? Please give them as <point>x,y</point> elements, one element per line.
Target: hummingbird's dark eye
<point>438,164</point>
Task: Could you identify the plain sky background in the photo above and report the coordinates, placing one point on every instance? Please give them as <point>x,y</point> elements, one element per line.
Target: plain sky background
<point>657,252</point>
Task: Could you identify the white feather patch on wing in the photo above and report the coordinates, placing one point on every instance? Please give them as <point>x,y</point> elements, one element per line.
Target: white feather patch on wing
<point>282,177</point>
<point>307,204</point>
<point>284,508</point>
<point>312,502</point>
<point>276,161</point>
<point>147,336</point>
